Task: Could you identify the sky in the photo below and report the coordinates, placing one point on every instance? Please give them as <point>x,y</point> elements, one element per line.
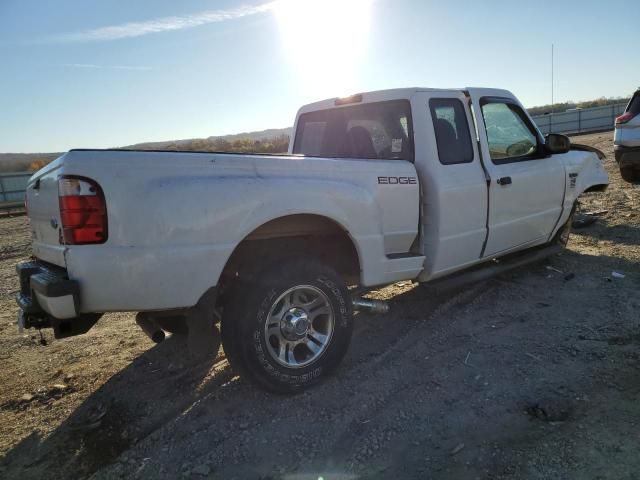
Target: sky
<point>109,73</point>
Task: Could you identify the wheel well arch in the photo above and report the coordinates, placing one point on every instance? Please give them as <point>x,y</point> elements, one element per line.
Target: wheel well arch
<point>296,234</point>
<point>598,187</point>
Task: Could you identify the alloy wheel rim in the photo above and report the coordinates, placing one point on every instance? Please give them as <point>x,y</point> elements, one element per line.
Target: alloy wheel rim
<point>299,327</point>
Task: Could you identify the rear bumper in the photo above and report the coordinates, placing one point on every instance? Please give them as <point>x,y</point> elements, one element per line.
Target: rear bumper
<point>48,298</point>
<point>627,156</point>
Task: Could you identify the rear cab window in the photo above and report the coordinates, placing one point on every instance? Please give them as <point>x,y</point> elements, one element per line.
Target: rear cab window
<point>450,124</point>
<point>380,130</point>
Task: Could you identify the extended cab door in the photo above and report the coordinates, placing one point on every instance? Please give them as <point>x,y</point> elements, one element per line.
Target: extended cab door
<point>454,201</point>
<point>526,185</point>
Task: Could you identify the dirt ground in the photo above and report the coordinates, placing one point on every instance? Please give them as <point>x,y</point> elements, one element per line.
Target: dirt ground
<point>531,375</point>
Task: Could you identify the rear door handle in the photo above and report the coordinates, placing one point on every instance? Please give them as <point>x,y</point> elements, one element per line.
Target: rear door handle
<point>504,181</point>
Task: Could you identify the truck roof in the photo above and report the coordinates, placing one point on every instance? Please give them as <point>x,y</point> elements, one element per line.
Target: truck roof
<point>389,94</point>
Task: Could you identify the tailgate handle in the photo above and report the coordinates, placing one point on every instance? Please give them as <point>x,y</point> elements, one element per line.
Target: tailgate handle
<point>504,181</point>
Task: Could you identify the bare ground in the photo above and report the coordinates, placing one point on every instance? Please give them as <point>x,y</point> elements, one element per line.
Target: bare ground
<point>531,375</point>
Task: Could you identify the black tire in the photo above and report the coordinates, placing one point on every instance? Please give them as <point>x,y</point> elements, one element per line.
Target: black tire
<point>251,336</point>
<point>629,174</point>
<point>562,236</point>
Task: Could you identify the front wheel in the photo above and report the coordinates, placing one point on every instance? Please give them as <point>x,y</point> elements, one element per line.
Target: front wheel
<point>562,236</point>
<point>292,327</point>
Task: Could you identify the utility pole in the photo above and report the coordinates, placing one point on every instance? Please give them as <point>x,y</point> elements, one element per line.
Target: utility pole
<point>552,78</point>
<point>551,116</point>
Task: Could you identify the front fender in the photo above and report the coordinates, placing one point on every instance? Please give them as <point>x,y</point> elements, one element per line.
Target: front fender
<point>583,171</point>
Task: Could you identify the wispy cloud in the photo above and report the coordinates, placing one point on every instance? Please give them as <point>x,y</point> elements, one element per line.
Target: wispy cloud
<point>164,24</point>
<point>106,67</point>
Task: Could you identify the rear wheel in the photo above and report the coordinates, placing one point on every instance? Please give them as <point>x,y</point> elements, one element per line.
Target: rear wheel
<point>629,174</point>
<point>293,327</point>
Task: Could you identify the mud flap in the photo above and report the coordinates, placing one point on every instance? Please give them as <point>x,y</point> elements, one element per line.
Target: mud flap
<point>203,336</point>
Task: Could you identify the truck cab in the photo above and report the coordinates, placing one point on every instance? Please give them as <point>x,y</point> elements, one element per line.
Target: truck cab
<point>473,177</point>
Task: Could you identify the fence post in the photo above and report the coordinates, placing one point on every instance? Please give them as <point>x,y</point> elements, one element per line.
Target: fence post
<point>579,121</point>
<point>4,194</point>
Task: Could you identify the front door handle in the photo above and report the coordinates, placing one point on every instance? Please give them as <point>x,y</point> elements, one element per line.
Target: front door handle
<point>504,181</point>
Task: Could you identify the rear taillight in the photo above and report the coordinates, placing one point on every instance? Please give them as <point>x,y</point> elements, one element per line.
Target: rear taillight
<point>624,118</point>
<point>82,210</point>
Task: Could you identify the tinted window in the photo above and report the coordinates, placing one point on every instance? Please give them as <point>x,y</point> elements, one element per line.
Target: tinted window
<point>452,130</point>
<point>373,130</point>
<point>509,136</point>
<point>634,104</point>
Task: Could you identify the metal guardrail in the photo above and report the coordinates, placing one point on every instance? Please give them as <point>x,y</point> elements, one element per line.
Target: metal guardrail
<point>580,120</point>
<point>12,188</point>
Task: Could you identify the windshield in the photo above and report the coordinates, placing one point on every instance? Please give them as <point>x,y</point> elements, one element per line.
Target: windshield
<point>374,130</point>
<point>507,133</point>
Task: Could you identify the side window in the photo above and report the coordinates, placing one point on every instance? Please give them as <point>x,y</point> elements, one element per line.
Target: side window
<point>452,131</point>
<point>510,136</point>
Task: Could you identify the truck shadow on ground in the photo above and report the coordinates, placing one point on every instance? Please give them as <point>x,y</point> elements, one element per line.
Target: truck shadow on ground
<point>623,234</point>
<point>155,387</point>
<point>160,387</point>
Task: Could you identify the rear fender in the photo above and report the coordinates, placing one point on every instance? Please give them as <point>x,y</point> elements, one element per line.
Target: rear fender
<point>349,205</point>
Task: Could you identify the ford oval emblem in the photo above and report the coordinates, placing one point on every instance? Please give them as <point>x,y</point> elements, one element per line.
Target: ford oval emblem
<point>54,223</point>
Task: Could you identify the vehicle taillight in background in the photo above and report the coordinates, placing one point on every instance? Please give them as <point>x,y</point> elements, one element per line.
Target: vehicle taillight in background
<point>82,210</point>
<point>624,118</point>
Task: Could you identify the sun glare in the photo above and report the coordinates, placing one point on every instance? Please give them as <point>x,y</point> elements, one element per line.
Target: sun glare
<point>325,40</point>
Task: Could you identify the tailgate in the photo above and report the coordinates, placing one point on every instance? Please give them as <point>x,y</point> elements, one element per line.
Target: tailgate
<point>44,214</point>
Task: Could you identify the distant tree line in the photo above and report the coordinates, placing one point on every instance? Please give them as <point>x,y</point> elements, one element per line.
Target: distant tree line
<point>23,162</point>
<point>10,162</point>
<point>562,107</point>
<point>278,144</point>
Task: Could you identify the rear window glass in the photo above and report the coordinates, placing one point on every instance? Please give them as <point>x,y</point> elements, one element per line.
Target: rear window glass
<point>452,131</point>
<point>373,130</point>
<point>634,104</point>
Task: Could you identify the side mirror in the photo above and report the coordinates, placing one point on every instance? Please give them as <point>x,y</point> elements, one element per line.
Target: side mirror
<point>556,143</point>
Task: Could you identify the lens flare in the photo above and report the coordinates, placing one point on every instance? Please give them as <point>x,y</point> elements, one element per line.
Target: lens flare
<point>325,41</point>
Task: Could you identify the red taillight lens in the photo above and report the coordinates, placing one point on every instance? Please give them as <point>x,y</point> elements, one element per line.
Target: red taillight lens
<point>624,118</point>
<point>82,210</point>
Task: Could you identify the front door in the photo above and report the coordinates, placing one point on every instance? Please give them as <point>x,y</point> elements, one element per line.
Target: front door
<point>526,187</point>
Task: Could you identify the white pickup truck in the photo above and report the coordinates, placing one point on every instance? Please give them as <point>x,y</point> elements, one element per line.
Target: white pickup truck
<point>407,184</point>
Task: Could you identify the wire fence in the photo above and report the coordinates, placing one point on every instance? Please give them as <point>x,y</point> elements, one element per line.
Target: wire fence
<point>12,188</point>
<point>580,119</point>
